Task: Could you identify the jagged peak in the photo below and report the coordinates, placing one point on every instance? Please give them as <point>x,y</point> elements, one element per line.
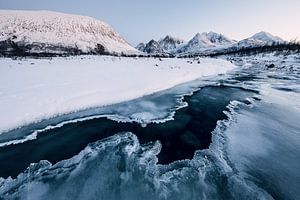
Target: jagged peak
<point>171,38</point>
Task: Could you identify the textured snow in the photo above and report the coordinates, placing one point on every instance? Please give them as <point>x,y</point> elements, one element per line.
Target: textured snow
<point>53,28</point>
<point>31,90</point>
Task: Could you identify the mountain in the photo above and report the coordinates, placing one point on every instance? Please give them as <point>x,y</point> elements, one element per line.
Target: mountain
<point>170,43</point>
<point>207,44</point>
<point>260,39</point>
<point>57,33</point>
<point>153,47</point>
<point>140,47</point>
<point>205,41</point>
<point>164,45</point>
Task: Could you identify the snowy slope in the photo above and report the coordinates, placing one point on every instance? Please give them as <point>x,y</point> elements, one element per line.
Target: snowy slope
<point>34,89</point>
<point>204,41</point>
<point>260,39</point>
<point>45,31</point>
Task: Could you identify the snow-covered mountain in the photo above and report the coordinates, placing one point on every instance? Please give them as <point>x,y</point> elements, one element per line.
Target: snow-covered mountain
<point>153,47</point>
<point>260,39</point>
<point>207,44</point>
<point>204,41</point>
<point>165,45</point>
<point>140,46</point>
<point>53,32</point>
<point>170,43</point>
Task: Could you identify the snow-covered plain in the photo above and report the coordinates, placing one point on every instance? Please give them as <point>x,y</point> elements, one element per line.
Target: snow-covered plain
<point>36,89</point>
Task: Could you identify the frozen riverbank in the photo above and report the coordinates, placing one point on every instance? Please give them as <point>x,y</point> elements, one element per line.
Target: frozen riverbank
<point>35,89</point>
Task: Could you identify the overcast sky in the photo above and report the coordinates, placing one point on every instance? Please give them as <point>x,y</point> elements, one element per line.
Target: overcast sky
<point>141,20</point>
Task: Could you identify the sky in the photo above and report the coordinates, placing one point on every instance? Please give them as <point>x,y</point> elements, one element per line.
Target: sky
<point>142,20</point>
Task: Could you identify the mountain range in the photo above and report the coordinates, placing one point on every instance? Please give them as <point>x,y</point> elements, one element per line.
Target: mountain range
<point>207,42</point>
<point>47,32</point>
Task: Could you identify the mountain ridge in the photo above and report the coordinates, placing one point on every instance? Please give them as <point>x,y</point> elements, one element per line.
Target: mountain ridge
<point>210,42</point>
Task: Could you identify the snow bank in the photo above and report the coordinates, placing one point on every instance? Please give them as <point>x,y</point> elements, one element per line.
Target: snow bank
<point>31,90</point>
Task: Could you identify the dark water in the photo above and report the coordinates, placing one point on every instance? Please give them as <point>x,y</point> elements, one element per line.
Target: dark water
<point>189,131</point>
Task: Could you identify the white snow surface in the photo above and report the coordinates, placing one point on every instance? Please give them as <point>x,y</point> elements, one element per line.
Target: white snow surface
<point>36,89</point>
<point>54,28</point>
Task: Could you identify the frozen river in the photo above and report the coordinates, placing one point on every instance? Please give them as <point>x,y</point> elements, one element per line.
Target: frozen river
<point>236,136</point>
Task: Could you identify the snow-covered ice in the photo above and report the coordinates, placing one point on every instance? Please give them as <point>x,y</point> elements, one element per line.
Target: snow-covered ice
<point>36,89</point>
